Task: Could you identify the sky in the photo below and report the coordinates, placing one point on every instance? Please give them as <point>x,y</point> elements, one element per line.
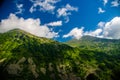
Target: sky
<point>62,20</point>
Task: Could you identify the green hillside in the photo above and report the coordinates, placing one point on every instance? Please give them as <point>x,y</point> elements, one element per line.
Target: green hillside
<point>89,42</point>
<point>24,56</point>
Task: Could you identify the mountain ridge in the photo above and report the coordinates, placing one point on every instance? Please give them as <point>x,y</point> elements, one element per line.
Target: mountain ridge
<point>95,39</point>
<point>90,42</point>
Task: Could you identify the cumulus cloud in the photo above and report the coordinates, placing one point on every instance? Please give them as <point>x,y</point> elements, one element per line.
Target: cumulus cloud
<point>43,5</point>
<point>57,23</point>
<point>101,24</point>
<point>75,33</point>
<point>105,2</point>
<point>95,33</point>
<point>110,30</point>
<point>19,9</point>
<point>115,3</point>
<point>66,11</point>
<point>100,10</point>
<point>30,25</point>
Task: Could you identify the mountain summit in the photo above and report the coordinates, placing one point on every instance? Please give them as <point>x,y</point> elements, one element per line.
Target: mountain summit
<point>24,56</point>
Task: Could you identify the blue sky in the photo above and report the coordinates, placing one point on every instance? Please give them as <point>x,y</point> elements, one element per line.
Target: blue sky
<point>62,20</point>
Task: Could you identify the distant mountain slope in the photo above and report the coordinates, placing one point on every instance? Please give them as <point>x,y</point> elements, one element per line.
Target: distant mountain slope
<point>90,42</point>
<point>24,56</point>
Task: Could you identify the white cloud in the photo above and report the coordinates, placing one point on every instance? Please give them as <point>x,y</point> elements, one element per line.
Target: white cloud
<point>75,32</point>
<point>115,3</point>
<point>101,24</point>
<point>57,23</point>
<point>112,29</point>
<point>100,10</point>
<point>43,5</point>
<point>30,25</point>
<point>105,2</point>
<point>95,33</point>
<point>19,8</point>
<point>78,33</point>
<point>32,9</point>
<point>66,11</point>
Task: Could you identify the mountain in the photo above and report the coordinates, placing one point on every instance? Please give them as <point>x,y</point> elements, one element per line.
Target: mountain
<point>90,42</point>
<point>24,56</point>
<point>91,39</point>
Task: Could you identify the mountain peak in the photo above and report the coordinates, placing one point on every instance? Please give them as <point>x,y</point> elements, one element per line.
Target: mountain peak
<point>17,29</point>
<point>21,35</point>
<point>20,31</point>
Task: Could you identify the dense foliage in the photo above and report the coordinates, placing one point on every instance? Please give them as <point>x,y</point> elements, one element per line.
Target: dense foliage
<point>27,57</point>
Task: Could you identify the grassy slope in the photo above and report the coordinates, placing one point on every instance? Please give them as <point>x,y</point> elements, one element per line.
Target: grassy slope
<point>24,56</point>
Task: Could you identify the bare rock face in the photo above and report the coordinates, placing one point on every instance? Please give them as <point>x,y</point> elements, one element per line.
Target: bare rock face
<point>16,68</point>
<point>32,67</point>
<point>43,70</point>
<point>50,67</point>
